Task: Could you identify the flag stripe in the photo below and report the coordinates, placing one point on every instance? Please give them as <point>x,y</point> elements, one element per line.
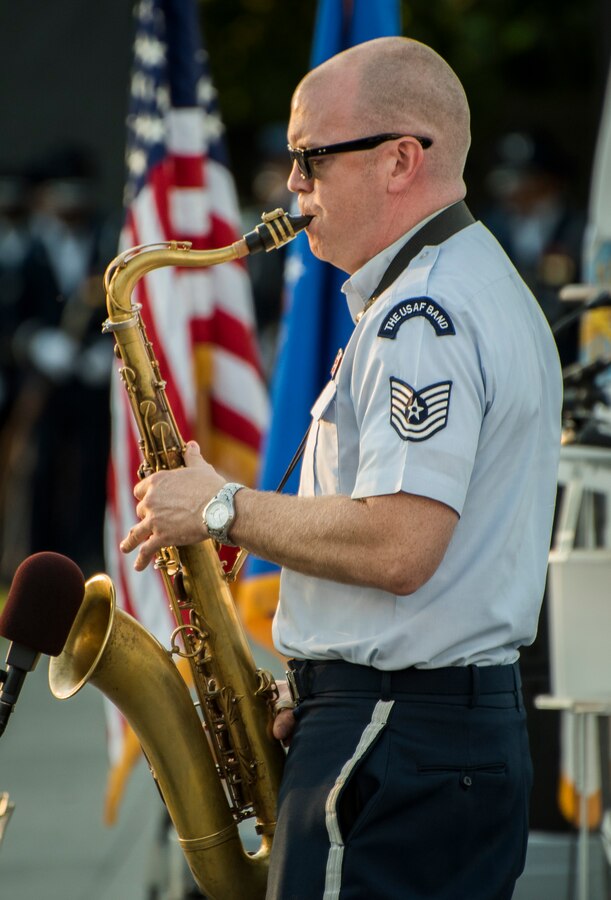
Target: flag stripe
<point>226,282</point>
<point>232,424</point>
<point>230,336</point>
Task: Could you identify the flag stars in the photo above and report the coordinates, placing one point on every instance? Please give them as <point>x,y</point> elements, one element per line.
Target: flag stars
<point>163,97</point>
<point>206,92</point>
<point>294,268</point>
<point>142,87</point>
<point>137,162</point>
<point>145,88</point>
<point>213,128</point>
<point>149,51</point>
<point>144,12</point>
<point>148,129</point>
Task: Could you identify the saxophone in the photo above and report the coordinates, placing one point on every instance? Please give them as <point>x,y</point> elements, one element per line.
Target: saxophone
<point>214,773</point>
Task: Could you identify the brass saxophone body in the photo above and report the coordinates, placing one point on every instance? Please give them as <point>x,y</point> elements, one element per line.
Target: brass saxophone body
<point>210,778</point>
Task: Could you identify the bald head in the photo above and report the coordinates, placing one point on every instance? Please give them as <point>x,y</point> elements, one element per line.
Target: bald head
<point>396,84</point>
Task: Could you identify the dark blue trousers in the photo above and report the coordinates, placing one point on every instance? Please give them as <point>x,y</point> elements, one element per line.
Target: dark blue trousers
<point>390,795</point>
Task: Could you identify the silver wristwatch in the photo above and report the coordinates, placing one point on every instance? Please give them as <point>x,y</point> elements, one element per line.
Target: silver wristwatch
<point>219,513</point>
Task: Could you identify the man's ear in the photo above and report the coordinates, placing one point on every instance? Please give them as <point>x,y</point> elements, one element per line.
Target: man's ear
<point>408,157</point>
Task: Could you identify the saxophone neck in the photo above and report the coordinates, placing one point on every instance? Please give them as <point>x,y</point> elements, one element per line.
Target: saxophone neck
<point>129,267</point>
<point>276,229</point>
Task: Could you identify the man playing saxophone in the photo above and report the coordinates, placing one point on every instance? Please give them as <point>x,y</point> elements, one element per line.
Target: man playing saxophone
<point>414,557</point>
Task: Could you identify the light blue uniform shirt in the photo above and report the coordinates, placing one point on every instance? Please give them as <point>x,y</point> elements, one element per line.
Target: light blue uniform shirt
<point>450,388</point>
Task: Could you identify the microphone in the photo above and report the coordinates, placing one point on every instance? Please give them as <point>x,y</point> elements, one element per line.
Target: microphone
<point>583,293</point>
<point>44,598</point>
<point>592,297</point>
<point>585,373</point>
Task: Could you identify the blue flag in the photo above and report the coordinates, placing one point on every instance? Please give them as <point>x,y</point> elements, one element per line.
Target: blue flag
<point>316,321</point>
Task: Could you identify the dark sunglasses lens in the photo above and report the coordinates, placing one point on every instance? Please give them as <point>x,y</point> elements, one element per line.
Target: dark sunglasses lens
<point>302,163</point>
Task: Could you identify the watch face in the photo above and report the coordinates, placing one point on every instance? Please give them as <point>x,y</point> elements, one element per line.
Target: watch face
<point>217,515</point>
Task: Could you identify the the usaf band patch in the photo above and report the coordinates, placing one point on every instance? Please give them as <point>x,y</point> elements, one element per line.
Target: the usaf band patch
<point>417,415</point>
<point>420,306</point>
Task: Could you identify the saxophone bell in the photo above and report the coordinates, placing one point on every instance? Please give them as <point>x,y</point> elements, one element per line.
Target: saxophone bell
<point>112,651</point>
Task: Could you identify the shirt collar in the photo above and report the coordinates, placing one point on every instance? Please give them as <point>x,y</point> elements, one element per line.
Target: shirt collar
<point>362,283</point>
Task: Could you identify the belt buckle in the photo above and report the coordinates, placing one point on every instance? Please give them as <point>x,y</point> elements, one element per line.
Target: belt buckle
<point>292,683</point>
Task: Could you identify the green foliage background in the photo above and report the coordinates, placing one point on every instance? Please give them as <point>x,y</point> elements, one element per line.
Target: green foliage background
<point>535,64</point>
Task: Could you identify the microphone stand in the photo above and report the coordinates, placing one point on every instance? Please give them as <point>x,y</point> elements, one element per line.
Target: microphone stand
<point>581,392</point>
<point>6,810</point>
<point>600,299</point>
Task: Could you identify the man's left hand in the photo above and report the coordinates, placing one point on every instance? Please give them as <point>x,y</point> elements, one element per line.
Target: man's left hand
<point>284,718</point>
<point>170,505</point>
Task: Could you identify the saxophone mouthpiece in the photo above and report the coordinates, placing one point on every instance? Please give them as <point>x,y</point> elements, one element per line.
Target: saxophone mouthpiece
<point>300,222</point>
<point>276,229</point>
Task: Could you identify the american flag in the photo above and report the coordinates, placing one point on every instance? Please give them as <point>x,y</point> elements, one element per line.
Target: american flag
<point>200,321</point>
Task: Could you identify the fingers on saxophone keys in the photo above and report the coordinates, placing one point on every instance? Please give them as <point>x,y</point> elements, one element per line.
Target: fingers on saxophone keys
<point>142,561</point>
<point>141,487</point>
<point>147,553</point>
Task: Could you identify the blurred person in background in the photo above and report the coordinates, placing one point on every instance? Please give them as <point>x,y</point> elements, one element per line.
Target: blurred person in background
<point>533,218</point>
<point>14,243</point>
<point>54,478</point>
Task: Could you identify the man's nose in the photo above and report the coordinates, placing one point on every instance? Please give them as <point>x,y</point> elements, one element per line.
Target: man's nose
<point>296,182</point>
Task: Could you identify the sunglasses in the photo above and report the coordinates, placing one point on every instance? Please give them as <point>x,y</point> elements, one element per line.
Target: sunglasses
<point>303,157</point>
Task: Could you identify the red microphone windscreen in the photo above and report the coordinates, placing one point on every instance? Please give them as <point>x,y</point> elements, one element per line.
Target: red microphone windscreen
<point>45,596</point>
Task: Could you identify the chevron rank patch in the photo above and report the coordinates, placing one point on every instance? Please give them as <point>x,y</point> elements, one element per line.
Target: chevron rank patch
<point>418,415</point>
<point>420,306</point>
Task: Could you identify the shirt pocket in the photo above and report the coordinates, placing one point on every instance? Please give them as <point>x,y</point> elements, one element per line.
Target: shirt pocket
<point>319,473</point>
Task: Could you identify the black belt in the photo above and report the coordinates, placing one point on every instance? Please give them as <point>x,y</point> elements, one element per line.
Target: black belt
<point>307,678</point>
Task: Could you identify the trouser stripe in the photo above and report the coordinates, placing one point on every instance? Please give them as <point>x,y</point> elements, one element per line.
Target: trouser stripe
<point>333,875</point>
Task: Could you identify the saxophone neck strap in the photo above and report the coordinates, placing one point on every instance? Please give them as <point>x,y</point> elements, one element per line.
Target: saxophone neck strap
<point>435,232</point>
<point>449,222</point>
